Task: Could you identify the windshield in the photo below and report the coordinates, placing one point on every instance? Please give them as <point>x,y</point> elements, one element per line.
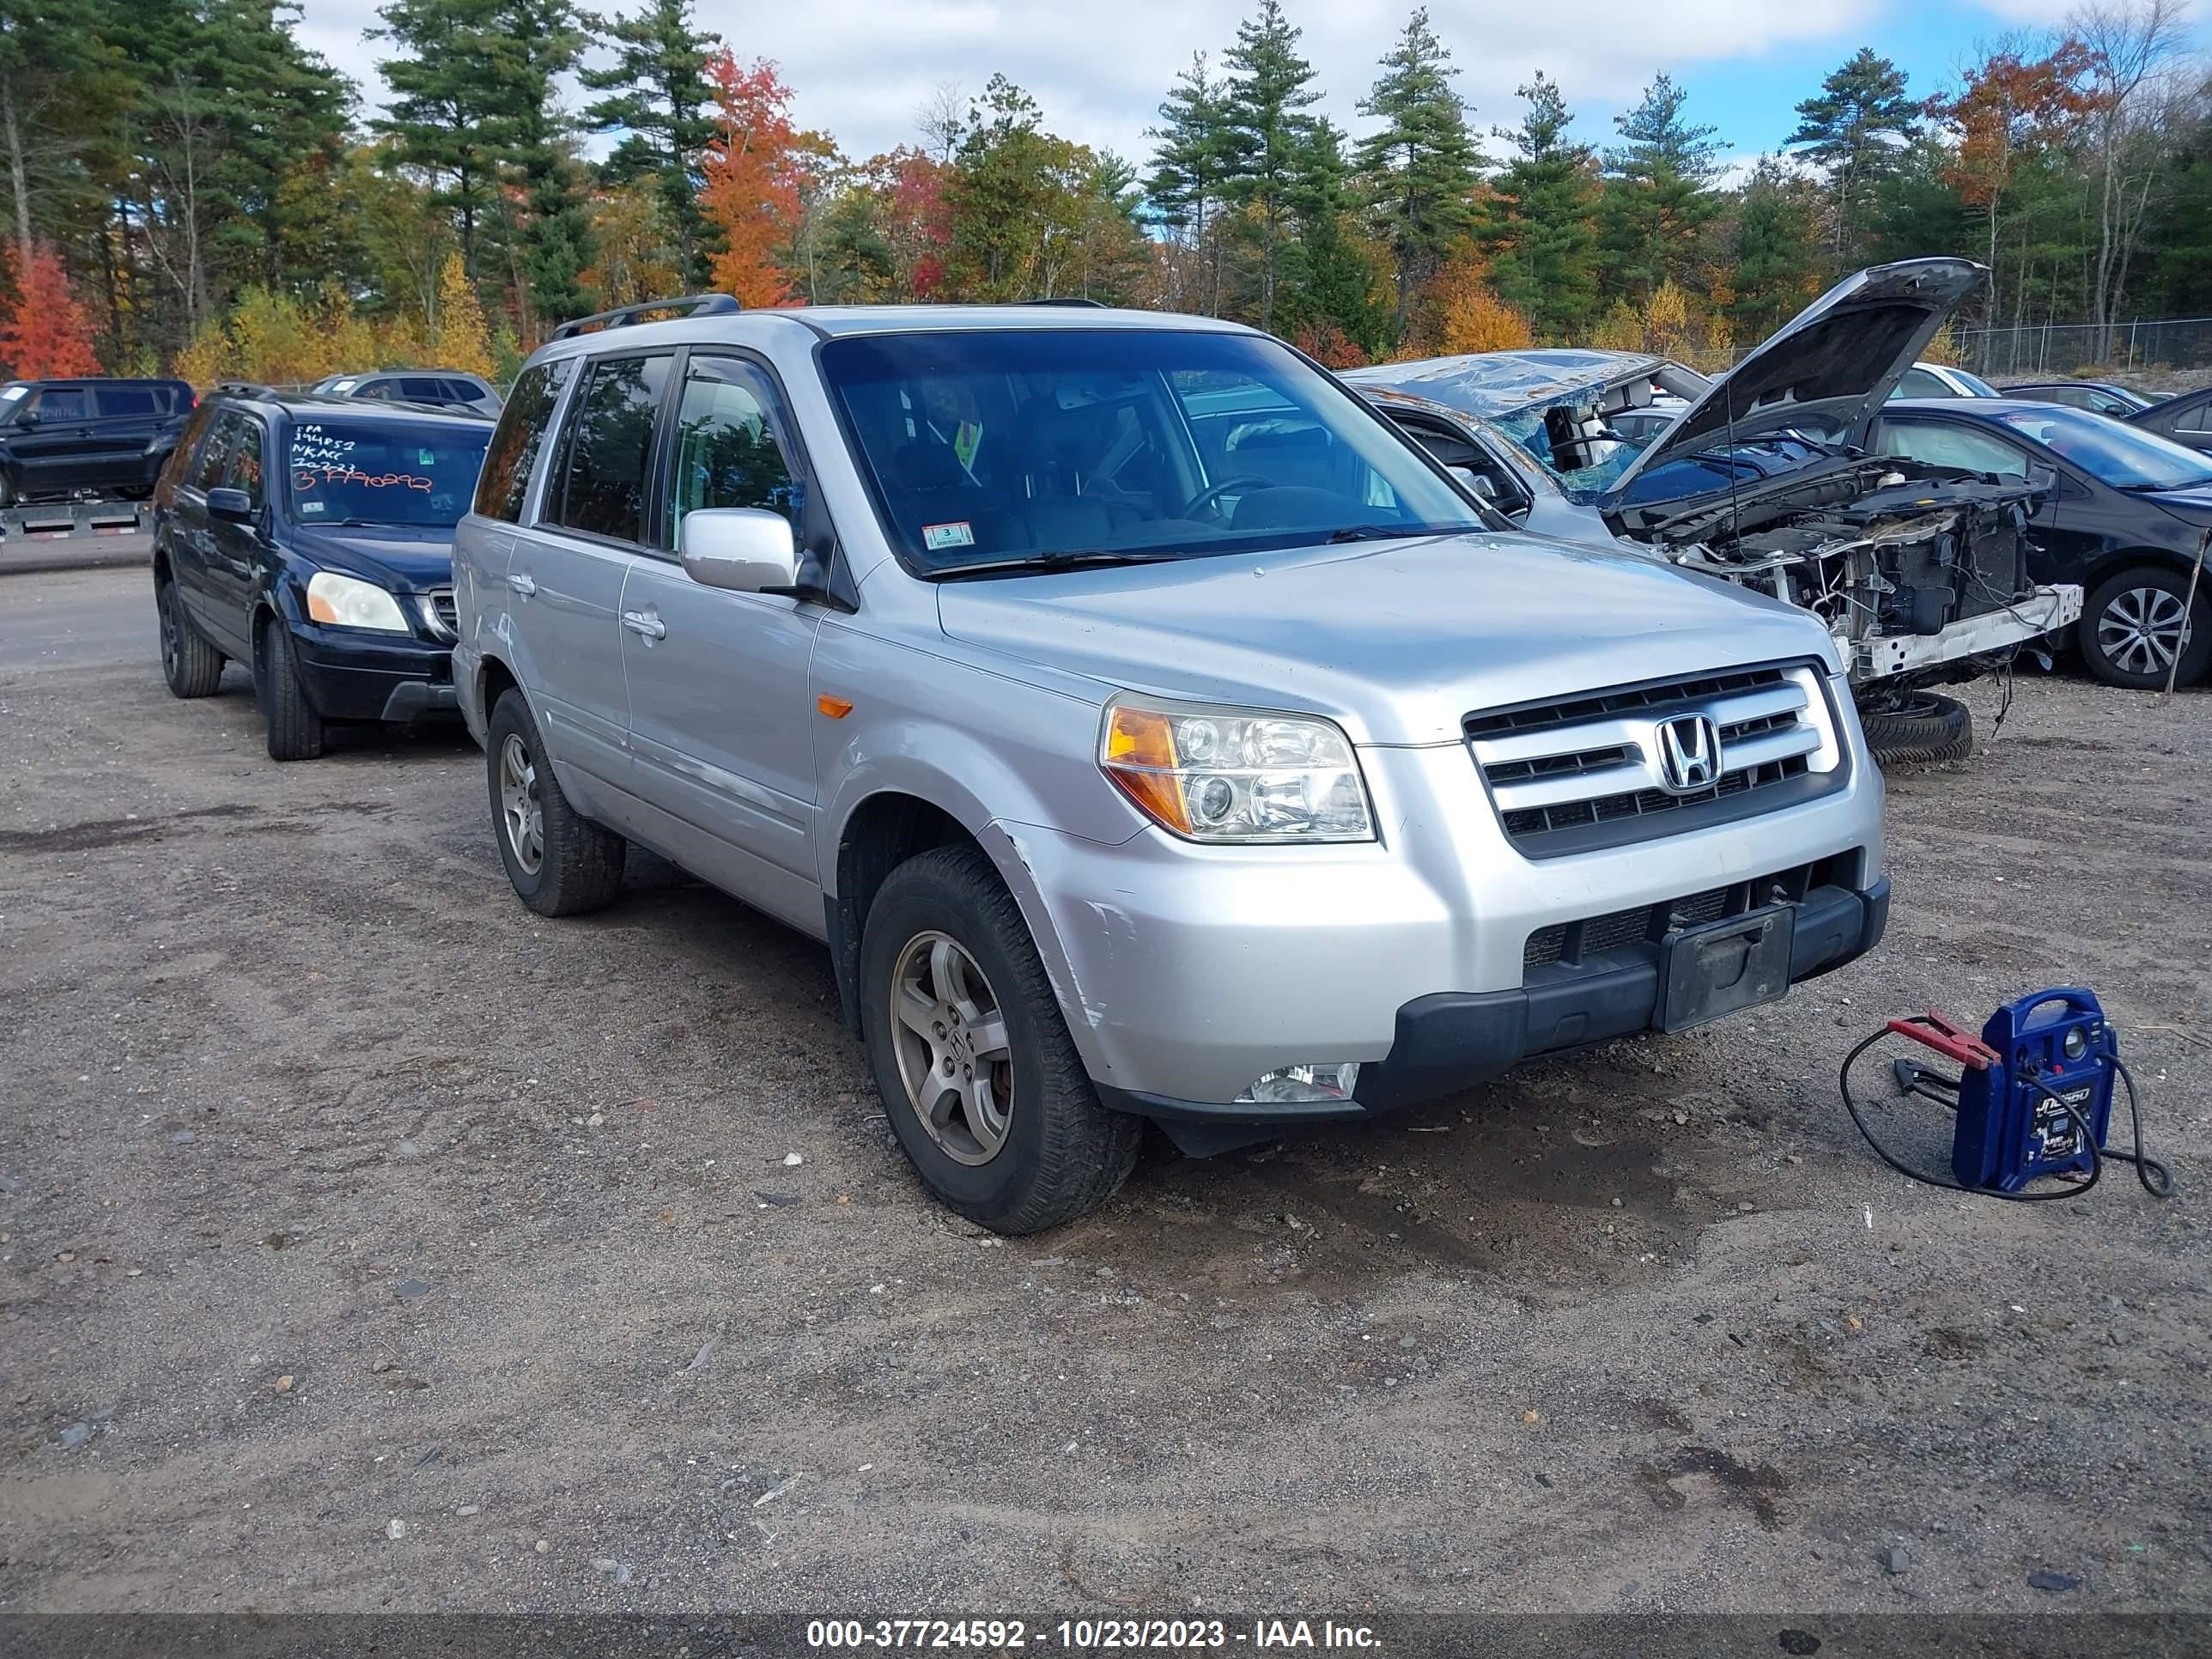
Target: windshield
<point>380,472</point>
<point>986,446</point>
<point>2124,457</point>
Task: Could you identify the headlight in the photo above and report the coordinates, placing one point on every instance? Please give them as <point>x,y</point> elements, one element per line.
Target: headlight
<point>1235,774</point>
<point>352,603</point>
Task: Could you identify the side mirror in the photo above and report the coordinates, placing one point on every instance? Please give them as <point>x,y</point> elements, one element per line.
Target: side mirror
<point>29,418</point>
<point>235,505</point>
<point>744,549</point>
<point>1480,482</point>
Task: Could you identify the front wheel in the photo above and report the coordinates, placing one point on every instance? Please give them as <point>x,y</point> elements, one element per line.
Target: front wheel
<point>295,730</point>
<point>2135,626</point>
<point>982,1083</point>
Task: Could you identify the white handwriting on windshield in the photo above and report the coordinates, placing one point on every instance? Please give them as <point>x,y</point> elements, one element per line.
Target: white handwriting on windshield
<point>306,478</point>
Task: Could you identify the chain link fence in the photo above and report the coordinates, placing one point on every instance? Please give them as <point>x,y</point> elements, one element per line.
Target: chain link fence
<point>2036,351</point>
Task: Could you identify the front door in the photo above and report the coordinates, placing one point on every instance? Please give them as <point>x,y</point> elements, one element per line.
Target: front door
<point>565,577</point>
<point>722,726</point>
<point>240,550</point>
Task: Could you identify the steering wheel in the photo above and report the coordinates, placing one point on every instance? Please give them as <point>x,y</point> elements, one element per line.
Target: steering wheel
<point>1214,493</point>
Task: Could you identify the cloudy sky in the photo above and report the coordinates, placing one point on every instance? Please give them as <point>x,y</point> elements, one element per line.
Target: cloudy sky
<point>860,68</point>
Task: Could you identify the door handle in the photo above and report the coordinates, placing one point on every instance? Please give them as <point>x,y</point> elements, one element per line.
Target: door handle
<point>523,585</point>
<point>638,622</point>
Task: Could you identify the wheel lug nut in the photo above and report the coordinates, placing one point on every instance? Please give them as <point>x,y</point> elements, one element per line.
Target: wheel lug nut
<point>948,1065</point>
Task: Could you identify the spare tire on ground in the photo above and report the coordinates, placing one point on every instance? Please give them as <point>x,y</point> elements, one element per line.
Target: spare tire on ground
<point>1918,728</point>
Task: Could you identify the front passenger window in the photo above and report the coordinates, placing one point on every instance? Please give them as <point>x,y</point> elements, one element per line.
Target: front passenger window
<point>1940,445</point>
<point>726,452</point>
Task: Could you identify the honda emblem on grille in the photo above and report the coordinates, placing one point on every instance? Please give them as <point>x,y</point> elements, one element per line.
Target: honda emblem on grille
<point>1689,754</point>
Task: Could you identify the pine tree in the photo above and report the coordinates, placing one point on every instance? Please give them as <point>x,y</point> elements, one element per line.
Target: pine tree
<point>445,115</point>
<point>1190,164</point>
<point>1329,280</point>
<point>662,103</point>
<point>1854,128</point>
<point>1268,137</point>
<point>1657,197</point>
<point>1774,257</point>
<point>542,40</point>
<point>1539,226</point>
<point>1419,166</point>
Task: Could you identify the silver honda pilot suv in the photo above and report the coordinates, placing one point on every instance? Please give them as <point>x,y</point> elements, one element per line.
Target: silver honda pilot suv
<point>1149,729</point>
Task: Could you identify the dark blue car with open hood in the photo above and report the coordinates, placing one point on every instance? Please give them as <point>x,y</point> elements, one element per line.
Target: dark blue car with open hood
<point>310,539</point>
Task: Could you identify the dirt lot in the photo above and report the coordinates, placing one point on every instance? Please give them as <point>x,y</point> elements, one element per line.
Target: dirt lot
<point>336,1189</point>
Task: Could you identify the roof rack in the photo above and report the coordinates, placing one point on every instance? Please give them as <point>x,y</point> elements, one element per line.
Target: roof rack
<point>247,388</point>
<point>1093,305</point>
<point>691,305</point>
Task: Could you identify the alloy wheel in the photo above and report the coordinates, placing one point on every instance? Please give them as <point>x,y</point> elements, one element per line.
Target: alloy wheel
<point>519,805</point>
<point>173,645</point>
<point>955,1058</point>
<point>2143,630</point>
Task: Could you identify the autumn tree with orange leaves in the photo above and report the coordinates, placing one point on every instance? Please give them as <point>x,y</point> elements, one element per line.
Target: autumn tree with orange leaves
<point>754,171</point>
<point>2010,107</point>
<point>46,335</point>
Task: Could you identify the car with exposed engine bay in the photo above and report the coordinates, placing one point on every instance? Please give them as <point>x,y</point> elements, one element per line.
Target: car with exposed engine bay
<point>1762,477</point>
<point>310,539</point>
<point>93,438</point>
<point>2123,512</point>
<point>1136,755</point>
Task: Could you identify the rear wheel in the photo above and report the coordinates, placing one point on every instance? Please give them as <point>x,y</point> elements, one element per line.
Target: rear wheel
<point>295,730</point>
<point>983,1085</point>
<point>1919,727</point>
<point>561,863</point>
<point>193,667</point>
<point>2135,626</point>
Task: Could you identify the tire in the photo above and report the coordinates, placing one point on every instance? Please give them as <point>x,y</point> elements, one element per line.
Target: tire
<point>191,666</point>
<point>1919,728</point>
<point>1053,1152</point>
<point>7,492</point>
<point>570,865</point>
<point>2131,625</point>
<point>295,730</point>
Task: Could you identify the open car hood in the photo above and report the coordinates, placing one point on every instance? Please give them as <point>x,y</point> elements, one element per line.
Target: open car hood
<point>1830,366</point>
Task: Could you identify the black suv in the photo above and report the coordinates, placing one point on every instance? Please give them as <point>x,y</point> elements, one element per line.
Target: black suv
<point>310,538</point>
<point>92,437</point>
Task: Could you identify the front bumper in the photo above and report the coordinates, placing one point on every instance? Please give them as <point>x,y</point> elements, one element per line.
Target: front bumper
<point>2044,611</point>
<point>352,675</point>
<point>1451,1041</point>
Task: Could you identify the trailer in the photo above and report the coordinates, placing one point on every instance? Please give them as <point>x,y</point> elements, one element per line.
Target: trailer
<point>49,535</point>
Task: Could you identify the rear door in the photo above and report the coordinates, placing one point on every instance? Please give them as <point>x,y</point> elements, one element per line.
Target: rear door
<point>720,724</point>
<point>51,438</point>
<point>130,415</point>
<point>565,576</point>
<point>192,532</point>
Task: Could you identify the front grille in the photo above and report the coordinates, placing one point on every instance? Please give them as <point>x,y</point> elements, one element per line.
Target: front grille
<point>1582,772</point>
<point>1637,930</point>
<point>443,615</point>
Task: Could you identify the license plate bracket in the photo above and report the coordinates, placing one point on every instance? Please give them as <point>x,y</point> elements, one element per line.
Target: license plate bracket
<point>1718,967</point>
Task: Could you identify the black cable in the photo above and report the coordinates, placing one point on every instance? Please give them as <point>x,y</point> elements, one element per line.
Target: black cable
<point>2157,1180</point>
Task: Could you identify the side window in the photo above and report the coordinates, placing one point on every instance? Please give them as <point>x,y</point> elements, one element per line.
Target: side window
<point>1919,383</point>
<point>422,388</point>
<point>2198,419</point>
<point>518,438</point>
<point>63,403</point>
<point>603,483</point>
<point>208,464</point>
<point>129,400</point>
<point>382,390</point>
<point>1940,443</point>
<point>244,467</point>
<point>462,391</point>
<point>727,452</point>
<point>189,440</point>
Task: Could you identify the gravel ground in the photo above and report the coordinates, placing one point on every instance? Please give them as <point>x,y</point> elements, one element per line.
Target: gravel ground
<point>367,1242</point>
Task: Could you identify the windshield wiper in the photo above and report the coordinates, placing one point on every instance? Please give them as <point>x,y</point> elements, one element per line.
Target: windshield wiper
<point>1378,532</point>
<point>1093,558</point>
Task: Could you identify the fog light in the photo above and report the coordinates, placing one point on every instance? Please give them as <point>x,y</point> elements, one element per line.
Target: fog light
<point>1291,1083</point>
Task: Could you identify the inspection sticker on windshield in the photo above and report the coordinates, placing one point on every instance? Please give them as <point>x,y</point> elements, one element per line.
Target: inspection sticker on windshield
<point>938,536</point>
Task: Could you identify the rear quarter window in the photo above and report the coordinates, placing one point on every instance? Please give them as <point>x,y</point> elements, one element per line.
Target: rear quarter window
<point>520,435</point>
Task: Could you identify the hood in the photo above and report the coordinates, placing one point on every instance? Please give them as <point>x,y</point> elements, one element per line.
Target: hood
<point>1489,384</point>
<point>407,558</point>
<point>2191,503</point>
<point>1833,364</point>
<point>1398,642</point>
